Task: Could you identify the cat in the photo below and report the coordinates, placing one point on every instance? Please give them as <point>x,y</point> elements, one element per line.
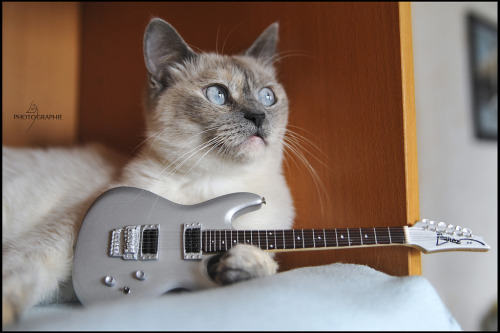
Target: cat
<point>215,124</point>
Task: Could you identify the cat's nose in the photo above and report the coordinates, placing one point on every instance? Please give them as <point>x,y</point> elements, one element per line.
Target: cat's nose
<point>257,118</point>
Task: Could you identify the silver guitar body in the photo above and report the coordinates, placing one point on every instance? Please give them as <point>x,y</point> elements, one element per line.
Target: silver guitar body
<point>131,243</point>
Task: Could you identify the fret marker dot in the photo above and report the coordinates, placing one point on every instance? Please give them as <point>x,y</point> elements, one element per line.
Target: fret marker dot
<point>366,236</point>
<point>298,237</point>
<point>234,241</point>
<point>342,236</point>
<point>271,246</point>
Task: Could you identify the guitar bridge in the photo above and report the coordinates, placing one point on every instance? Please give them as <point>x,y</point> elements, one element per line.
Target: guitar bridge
<point>135,242</point>
<point>191,241</point>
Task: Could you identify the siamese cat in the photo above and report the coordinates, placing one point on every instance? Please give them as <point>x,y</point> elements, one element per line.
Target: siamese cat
<point>215,124</point>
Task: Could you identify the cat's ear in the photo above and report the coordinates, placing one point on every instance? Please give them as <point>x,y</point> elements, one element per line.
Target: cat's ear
<point>163,47</point>
<point>264,47</point>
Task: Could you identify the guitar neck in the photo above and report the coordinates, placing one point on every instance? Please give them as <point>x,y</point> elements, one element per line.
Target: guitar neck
<point>215,241</point>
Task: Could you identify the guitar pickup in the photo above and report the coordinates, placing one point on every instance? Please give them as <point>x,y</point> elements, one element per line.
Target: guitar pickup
<point>135,242</point>
<point>191,240</point>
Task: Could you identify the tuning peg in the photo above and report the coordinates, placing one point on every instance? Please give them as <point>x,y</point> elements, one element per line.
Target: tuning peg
<point>458,230</point>
<point>425,221</point>
<point>432,225</point>
<point>449,229</point>
<point>467,231</point>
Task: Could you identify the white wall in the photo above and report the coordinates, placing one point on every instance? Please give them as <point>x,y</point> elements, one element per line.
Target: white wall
<point>457,173</point>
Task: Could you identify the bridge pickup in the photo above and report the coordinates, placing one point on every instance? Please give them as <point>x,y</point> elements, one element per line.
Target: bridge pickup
<point>135,242</point>
<point>191,241</point>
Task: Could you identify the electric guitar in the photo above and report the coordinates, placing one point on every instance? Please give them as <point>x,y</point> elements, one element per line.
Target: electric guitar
<point>133,243</point>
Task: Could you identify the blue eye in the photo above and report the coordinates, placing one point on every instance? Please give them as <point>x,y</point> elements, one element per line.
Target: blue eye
<point>216,94</point>
<point>266,97</point>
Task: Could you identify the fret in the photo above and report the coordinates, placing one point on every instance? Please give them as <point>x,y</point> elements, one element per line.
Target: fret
<point>308,238</point>
<point>225,239</point>
<point>234,240</point>
<point>368,236</point>
<point>240,237</point>
<point>255,238</point>
<point>263,241</point>
<point>354,237</point>
<point>382,235</point>
<point>290,239</point>
<point>271,239</point>
<point>397,235</point>
<point>389,233</point>
<point>279,236</point>
<point>314,238</point>
<point>342,237</point>
<point>330,238</point>
<point>324,236</point>
<point>220,241</point>
<point>336,238</point>
<point>361,236</point>
<point>206,249</point>
<point>303,243</point>
<point>298,239</point>
<point>375,234</point>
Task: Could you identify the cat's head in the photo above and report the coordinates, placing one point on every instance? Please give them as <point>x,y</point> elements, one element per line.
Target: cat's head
<point>211,106</point>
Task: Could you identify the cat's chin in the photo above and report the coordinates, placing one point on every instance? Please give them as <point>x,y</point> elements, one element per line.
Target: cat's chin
<point>252,148</point>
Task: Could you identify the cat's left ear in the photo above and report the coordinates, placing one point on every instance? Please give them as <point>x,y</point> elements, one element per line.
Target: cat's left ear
<point>264,47</point>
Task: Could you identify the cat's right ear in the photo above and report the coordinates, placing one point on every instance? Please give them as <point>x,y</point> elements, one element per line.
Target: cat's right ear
<point>163,47</point>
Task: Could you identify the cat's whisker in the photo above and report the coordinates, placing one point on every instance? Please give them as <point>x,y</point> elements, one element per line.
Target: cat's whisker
<point>155,135</point>
<point>285,54</point>
<point>180,149</point>
<point>292,142</point>
<point>298,138</point>
<point>225,39</point>
<point>209,150</point>
<point>217,40</point>
<point>193,152</point>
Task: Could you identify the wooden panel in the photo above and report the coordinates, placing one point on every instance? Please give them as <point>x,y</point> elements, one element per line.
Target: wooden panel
<point>348,74</point>
<point>40,49</point>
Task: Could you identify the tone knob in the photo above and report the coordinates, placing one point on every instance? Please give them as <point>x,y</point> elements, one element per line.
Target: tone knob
<point>109,281</point>
<point>140,275</point>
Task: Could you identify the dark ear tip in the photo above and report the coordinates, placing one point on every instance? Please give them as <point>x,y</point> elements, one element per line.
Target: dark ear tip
<point>156,23</point>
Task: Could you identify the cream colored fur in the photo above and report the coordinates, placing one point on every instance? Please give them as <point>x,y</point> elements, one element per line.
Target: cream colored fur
<point>46,192</point>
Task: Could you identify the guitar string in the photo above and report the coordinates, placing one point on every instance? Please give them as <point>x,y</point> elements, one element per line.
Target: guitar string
<point>329,232</point>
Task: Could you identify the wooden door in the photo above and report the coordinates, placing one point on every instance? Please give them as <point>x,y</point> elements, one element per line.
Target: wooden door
<point>347,69</point>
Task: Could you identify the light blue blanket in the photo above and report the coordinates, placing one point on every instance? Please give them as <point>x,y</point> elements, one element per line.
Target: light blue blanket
<point>329,297</point>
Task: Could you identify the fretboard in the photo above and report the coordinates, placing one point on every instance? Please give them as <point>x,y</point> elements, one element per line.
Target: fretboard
<point>214,241</point>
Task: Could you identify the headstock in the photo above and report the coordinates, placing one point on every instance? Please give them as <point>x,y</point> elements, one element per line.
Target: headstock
<point>432,236</point>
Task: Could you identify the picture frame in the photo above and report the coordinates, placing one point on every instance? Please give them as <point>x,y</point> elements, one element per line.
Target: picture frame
<point>483,55</point>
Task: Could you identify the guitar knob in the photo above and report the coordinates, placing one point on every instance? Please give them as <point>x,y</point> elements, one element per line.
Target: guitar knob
<point>109,281</point>
<point>140,275</point>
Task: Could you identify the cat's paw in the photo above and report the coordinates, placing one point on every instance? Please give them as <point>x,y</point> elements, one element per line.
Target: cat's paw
<point>9,313</point>
<point>241,262</point>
